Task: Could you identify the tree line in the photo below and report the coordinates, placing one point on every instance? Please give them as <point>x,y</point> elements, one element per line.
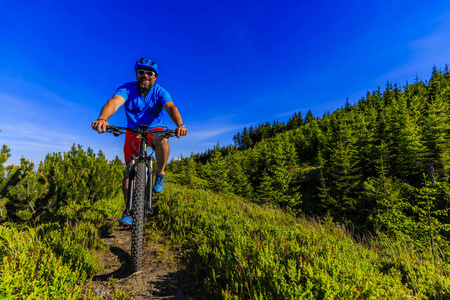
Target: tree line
<point>368,165</point>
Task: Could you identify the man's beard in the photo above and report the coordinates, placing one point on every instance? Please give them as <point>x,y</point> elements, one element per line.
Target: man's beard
<point>145,86</point>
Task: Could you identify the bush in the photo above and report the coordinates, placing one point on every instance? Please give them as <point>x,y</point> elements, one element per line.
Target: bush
<point>10,176</point>
<point>77,180</point>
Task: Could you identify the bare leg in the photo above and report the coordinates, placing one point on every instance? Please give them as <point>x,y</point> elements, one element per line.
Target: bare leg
<point>162,151</point>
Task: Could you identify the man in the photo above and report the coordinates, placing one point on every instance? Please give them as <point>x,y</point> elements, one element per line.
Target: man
<point>144,101</point>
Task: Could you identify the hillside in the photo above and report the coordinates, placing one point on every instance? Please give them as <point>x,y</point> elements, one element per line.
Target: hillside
<point>202,245</point>
<point>381,165</point>
<point>237,249</point>
<point>212,246</point>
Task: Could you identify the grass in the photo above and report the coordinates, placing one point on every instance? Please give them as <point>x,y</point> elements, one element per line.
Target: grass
<point>232,250</point>
<point>238,250</point>
<point>52,260</point>
<point>32,269</point>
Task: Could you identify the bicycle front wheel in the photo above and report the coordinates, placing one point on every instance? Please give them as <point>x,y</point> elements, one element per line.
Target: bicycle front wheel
<point>137,228</point>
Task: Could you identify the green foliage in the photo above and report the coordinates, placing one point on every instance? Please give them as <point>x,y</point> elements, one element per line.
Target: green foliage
<point>429,226</point>
<point>405,127</point>
<point>237,179</point>
<point>73,243</point>
<point>248,138</point>
<point>76,181</point>
<point>53,260</point>
<point>10,176</point>
<point>237,250</point>
<point>187,168</point>
<point>217,172</point>
<point>72,186</point>
<point>388,207</point>
<point>32,269</point>
<point>27,194</point>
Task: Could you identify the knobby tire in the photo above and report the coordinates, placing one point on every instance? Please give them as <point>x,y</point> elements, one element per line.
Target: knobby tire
<point>137,228</point>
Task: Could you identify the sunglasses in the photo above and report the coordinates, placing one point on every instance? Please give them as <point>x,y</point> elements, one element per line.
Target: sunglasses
<point>142,72</point>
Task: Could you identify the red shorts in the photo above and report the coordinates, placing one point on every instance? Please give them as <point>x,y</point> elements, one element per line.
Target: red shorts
<point>131,146</point>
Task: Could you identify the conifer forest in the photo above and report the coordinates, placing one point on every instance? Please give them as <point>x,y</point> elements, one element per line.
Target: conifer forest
<point>380,166</point>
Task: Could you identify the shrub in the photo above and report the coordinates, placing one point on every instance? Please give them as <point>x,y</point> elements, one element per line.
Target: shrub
<point>77,180</point>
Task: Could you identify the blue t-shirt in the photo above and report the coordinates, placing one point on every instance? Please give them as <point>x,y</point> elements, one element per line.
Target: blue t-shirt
<point>140,110</point>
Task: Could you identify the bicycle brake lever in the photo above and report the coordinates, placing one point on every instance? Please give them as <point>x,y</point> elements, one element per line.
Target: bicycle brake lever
<point>169,134</point>
<point>114,131</point>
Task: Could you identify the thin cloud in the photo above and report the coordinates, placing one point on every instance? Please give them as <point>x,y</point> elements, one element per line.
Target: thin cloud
<point>200,134</point>
<point>36,146</point>
<point>33,131</point>
<point>426,51</point>
<point>287,114</point>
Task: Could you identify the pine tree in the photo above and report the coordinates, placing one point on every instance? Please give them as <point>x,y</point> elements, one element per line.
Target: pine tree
<point>5,180</point>
<point>238,140</point>
<point>277,127</point>
<point>11,176</point>
<point>313,138</point>
<point>76,180</point>
<point>365,142</point>
<point>346,181</point>
<point>428,230</point>
<point>264,132</point>
<point>239,180</point>
<point>295,121</point>
<point>265,189</point>
<point>324,190</point>
<point>384,204</point>
<point>309,117</point>
<point>411,150</point>
<point>248,137</point>
<point>283,157</point>
<point>217,172</point>
<point>437,127</point>
<point>188,171</point>
<point>27,196</point>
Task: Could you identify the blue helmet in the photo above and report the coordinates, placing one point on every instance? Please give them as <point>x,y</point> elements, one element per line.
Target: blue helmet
<point>144,63</point>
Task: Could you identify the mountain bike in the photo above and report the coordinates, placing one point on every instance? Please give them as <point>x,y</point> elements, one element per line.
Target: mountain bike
<point>140,184</point>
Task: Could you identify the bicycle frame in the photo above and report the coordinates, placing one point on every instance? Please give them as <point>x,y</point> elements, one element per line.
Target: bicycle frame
<point>143,157</point>
<point>141,133</point>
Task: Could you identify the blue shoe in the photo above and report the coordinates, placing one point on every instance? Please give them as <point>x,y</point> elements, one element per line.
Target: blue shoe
<point>126,220</point>
<point>159,183</point>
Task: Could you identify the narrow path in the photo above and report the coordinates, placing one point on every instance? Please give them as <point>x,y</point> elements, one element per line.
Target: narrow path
<point>160,278</point>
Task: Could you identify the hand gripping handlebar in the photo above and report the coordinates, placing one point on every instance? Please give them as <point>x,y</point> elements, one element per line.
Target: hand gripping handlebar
<point>143,130</point>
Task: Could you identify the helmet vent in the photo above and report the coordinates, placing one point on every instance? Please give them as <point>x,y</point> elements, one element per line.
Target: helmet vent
<point>146,63</point>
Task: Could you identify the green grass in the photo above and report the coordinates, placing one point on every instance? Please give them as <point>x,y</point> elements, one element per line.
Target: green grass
<point>232,250</point>
<point>52,260</point>
<point>237,250</point>
<point>31,269</point>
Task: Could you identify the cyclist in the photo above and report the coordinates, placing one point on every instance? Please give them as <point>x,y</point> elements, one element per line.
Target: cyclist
<point>144,101</point>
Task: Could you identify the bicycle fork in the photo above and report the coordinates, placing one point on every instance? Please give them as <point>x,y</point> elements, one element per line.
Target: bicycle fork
<point>131,179</point>
<point>149,186</point>
<point>149,192</point>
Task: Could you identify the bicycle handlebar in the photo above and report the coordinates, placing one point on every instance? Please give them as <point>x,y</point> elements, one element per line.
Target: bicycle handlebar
<point>116,130</point>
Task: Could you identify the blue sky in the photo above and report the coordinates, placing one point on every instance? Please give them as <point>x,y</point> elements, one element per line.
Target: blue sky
<point>226,64</point>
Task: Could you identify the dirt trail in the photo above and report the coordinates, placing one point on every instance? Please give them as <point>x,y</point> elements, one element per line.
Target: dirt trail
<point>160,277</point>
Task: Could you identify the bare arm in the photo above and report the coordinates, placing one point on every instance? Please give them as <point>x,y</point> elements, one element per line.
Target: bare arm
<point>174,114</point>
<point>108,110</point>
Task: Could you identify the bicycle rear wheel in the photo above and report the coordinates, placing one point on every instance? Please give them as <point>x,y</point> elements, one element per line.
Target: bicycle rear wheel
<point>137,228</point>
